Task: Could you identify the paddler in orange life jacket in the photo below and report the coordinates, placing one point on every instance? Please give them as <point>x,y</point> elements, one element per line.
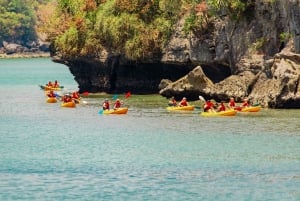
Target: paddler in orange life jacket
<point>231,103</point>
<point>172,101</point>
<point>105,104</point>
<point>117,104</point>
<point>183,102</point>
<point>208,106</point>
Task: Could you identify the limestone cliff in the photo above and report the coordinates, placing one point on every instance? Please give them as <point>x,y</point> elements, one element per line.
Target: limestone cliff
<point>256,56</point>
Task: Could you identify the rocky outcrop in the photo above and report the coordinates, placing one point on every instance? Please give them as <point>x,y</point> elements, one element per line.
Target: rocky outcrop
<point>30,49</point>
<point>256,56</point>
<point>117,75</point>
<point>262,57</point>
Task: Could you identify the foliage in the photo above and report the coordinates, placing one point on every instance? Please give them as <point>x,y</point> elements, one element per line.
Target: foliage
<point>233,8</point>
<point>257,46</point>
<point>284,36</point>
<point>135,28</point>
<point>17,20</point>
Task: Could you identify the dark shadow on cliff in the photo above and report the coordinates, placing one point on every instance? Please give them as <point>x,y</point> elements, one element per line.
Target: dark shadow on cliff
<point>216,73</point>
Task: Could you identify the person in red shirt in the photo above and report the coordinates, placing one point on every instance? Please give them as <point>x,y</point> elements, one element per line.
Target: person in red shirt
<point>172,102</point>
<point>117,104</point>
<point>245,103</point>
<point>49,84</point>
<point>221,107</point>
<point>105,104</point>
<point>56,84</point>
<point>51,94</point>
<point>208,106</point>
<point>183,102</point>
<point>67,98</point>
<point>231,103</point>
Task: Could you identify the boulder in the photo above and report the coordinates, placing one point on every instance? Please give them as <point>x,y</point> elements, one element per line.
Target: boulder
<point>192,85</point>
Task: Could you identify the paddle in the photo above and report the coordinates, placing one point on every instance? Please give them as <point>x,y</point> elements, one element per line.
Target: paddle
<point>86,93</point>
<point>201,98</point>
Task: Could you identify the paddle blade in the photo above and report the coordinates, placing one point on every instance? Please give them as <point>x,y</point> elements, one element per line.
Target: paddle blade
<point>201,98</point>
<point>57,95</point>
<point>128,94</point>
<point>86,93</point>
<point>115,97</point>
<point>100,111</point>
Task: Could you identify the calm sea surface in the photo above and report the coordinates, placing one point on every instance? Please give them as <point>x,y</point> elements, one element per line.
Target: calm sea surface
<point>53,153</point>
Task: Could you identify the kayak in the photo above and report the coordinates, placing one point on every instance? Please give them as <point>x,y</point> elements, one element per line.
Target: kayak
<point>121,110</point>
<point>47,88</point>
<point>250,109</point>
<point>68,104</point>
<point>180,108</point>
<point>222,113</point>
<point>51,100</point>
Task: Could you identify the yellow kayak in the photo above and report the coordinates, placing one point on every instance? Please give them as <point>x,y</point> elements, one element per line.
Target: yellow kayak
<point>51,100</point>
<point>68,104</point>
<point>222,113</point>
<point>47,88</point>
<point>180,108</point>
<point>121,110</point>
<point>251,109</point>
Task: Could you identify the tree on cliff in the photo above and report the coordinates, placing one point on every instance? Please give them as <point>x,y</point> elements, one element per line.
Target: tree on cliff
<point>17,20</point>
<point>138,29</point>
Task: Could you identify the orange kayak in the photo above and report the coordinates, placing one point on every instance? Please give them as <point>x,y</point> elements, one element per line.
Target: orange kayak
<point>68,104</point>
<point>51,100</point>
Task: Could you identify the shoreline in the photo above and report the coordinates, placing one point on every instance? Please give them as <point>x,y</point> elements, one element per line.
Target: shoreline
<point>25,55</point>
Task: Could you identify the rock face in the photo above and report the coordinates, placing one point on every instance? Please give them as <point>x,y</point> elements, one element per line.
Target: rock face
<point>262,53</point>
<point>256,57</point>
<point>30,49</point>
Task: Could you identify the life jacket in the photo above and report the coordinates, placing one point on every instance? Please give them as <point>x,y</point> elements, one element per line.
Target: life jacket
<point>245,104</point>
<point>75,95</point>
<point>106,105</point>
<point>51,94</point>
<point>231,104</point>
<point>117,104</point>
<point>208,105</point>
<point>222,107</point>
<point>183,103</point>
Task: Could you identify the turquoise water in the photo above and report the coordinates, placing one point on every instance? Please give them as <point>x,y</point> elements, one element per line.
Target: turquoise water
<point>53,153</point>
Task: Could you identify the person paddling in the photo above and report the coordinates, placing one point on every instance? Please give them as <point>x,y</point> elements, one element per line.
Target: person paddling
<point>117,104</point>
<point>208,106</point>
<point>245,103</point>
<point>51,94</point>
<point>172,102</point>
<point>56,84</point>
<point>183,102</point>
<point>221,107</point>
<point>105,104</point>
<point>231,103</point>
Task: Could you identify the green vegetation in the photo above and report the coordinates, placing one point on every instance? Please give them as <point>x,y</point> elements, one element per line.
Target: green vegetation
<point>17,20</point>
<point>136,28</point>
<point>284,36</point>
